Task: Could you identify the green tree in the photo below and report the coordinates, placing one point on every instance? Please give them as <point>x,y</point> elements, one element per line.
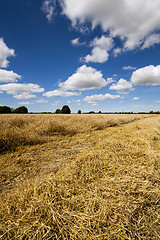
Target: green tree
<point>58,111</point>
<point>5,109</point>
<point>79,112</point>
<point>65,110</point>
<point>21,109</point>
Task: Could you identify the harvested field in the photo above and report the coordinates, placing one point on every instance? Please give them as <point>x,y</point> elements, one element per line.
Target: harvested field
<point>80,177</point>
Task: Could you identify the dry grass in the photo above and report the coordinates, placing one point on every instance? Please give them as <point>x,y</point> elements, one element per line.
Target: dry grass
<point>20,130</point>
<point>81,183</point>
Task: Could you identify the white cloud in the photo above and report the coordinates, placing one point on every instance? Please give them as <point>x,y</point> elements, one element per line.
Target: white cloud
<point>25,103</point>
<point>41,101</point>
<point>8,76</point>
<point>85,78</point>
<point>99,53</point>
<point>103,42</point>
<point>74,101</point>
<point>121,85</point>
<point>76,42</point>
<point>151,40</point>
<point>23,95</point>
<point>49,7</point>
<point>132,21</point>
<point>129,68</point>
<point>33,102</point>
<point>93,103</point>
<point>100,97</point>
<point>110,80</point>
<point>149,75</point>
<point>60,93</point>
<point>117,51</point>
<point>5,52</point>
<point>135,98</point>
<point>21,91</point>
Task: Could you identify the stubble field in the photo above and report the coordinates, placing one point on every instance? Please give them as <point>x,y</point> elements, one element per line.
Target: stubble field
<point>80,176</point>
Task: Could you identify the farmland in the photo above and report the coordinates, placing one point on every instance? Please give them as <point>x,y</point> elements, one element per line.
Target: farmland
<point>80,176</point>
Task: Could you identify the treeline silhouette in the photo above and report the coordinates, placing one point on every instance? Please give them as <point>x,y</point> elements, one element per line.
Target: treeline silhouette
<point>6,109</point>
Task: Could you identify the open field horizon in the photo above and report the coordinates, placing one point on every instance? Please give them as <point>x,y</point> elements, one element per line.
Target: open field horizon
<point>80,176</point>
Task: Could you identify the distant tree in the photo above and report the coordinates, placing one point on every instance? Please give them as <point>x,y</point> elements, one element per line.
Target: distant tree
<point>65,110</point>
<point>91,112</point>
<point>99,112</point>
<point>5,109</point>
<point>21,109</point>
<point>79,112</point>
<point>58,111</point>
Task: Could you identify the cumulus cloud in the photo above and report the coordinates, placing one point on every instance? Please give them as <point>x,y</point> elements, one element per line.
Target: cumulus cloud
<point>5,52</point>
<point>21,91</point>
<point>99,53</point>
<point>48,8</point>
<point>132,21</point>
<point>149,75</point>
<point>85,78</point>
<point>129,68</point>
<point>60,93</point>
<point>8,76</point>
<point>103,42</point>
<point>100,97</point>
<point>121,85</point>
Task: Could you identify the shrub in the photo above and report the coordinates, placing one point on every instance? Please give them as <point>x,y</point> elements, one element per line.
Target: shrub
<point>58,111</point>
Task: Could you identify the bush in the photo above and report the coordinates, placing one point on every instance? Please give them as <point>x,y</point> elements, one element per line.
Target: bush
<point>5,109</point>
<point>21,109</point>
<point>65,110</point>
<point>58,111</point>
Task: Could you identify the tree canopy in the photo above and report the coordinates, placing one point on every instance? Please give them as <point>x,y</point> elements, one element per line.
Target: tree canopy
<point>65,110</point>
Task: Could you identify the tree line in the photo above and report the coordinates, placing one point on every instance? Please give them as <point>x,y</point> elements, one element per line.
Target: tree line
<point>65,110</point>
<point>5,109</point>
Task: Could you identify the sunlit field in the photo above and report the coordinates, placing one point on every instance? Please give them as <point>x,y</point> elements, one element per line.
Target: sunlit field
<point>77,176</point>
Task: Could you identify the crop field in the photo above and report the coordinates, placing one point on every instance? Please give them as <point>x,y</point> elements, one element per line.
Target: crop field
<point>80,176</point>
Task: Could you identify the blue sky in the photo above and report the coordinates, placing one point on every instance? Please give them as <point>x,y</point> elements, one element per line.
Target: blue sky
<point>100,55</point>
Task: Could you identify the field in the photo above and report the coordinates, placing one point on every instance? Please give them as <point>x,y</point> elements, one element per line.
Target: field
<point>80,176</point>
